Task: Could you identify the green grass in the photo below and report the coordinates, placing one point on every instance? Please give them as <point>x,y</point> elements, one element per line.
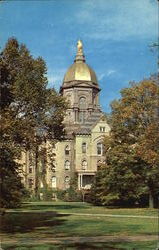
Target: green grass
<point>42,220</point>
<point>73,225</point>
<point>80,207</point>
<point>89,226</point>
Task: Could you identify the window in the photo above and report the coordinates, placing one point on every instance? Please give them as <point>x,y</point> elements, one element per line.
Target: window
<point>99,148</point>
<point>67,150</point>
<point>67,165</point>
<point>84,164</point>
<point>30,170</point>
<point>102,129</point>
<point>30,183</point>
<point>82,107</point>
<point>53,182</point>
<point>53,166</point>
<point>67,181</point>
<point>82,103</point>
<point>84,147</point>
<point>82,116</point>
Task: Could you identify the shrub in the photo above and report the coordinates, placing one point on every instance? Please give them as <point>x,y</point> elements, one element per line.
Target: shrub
<point>69,194</point>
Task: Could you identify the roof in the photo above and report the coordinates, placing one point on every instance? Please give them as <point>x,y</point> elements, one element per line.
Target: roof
<point>79,70</point>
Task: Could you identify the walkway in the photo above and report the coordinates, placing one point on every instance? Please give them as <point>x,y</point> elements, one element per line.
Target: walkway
<point>95,239</point>
<point>114,215</point>
<point>88,214</point>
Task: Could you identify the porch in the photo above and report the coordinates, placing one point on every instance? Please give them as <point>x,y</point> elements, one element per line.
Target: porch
<point>85,180</point>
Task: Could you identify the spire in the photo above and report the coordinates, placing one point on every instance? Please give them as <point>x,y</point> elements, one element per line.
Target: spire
<point>79,56</point>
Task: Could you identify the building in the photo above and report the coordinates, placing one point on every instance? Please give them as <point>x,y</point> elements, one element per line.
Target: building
<point>81,152</point>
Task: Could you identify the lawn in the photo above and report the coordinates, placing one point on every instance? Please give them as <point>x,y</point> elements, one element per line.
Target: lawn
<point>58,225</point>
<point>83,207</point>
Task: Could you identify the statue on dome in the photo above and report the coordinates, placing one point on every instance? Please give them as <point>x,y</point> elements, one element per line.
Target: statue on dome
<point>79,47</point>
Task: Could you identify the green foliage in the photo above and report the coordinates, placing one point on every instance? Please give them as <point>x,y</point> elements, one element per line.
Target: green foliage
<point>30,112</point>
<point>47,194</point>
<point>11,188</point>
<point>132,150</point>
<point>70,194</point>
<point>26,101</point>
<point>32,198</point>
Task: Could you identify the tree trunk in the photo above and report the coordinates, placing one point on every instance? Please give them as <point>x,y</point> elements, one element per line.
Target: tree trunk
<point>43,157</point>
<point>151,200</point>
<point>37,195</point>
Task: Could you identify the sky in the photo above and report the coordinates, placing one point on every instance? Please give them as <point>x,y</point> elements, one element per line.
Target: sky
<point>117,38</point>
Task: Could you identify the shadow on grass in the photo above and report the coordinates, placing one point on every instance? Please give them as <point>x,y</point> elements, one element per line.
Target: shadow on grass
<point>75,246</point>
<point>28,221</point>
<point>86,246</point>
<point>90,246</point>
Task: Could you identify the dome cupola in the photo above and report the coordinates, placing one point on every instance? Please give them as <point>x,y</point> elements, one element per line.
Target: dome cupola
<point>79,70</point>
<point>81,90</point>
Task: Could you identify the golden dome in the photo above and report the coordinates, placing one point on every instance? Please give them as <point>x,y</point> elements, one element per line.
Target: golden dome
<point>79,70</point>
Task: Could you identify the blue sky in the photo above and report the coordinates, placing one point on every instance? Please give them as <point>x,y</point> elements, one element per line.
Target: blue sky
<point>116,37</point>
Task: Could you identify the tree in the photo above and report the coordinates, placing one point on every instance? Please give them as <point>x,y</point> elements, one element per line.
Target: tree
<point>30,112</point>
<point>132,150</point>
<point>12,189</point>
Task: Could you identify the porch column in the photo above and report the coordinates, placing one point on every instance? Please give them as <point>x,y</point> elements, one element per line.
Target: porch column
<point>81,180</point>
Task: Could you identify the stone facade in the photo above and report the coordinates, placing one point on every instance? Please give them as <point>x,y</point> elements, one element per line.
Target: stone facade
<point>81,152</point>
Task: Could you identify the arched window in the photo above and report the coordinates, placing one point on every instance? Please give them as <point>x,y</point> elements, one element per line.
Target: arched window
<point>67,165</point>
<point>99,148</point>
<point>30,169</point>
<point>84,147</point>
<point>82,103</point>
<point>82,108</point>
<point>67,181</point>
<point>30,182</point>
<point>53,182</point>
<point>67,150</point>
<point>84,164</point>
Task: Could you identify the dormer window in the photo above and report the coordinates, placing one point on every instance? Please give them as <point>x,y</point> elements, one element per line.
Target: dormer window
<point>102,129</point>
